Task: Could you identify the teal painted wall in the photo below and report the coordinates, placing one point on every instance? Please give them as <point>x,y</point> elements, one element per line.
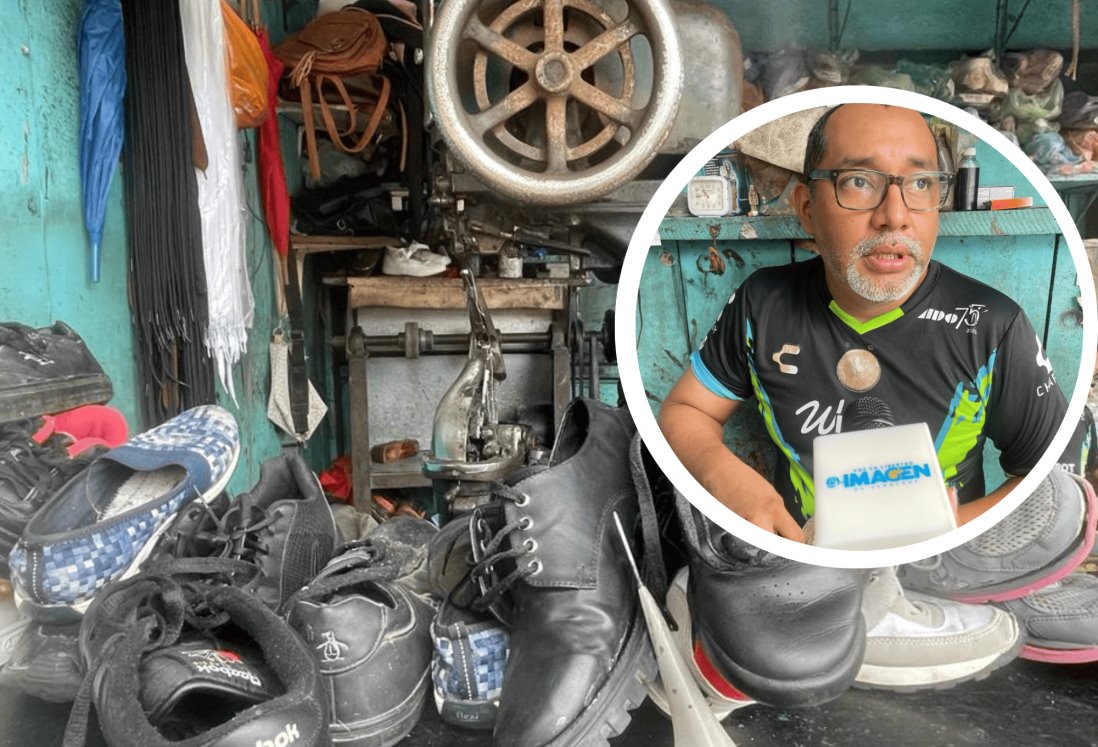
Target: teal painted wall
<point>43,248</point>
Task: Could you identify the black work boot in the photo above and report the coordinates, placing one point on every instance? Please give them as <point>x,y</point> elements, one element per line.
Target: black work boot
<point>777,631</point>
<point>551,565</point>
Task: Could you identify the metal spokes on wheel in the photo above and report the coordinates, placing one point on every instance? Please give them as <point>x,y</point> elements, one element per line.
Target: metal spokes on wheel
<point>554,101</point>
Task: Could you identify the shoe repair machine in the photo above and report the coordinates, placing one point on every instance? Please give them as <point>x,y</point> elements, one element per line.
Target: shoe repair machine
<point>550,128</point>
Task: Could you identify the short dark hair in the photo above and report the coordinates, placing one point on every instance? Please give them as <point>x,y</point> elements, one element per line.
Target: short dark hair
<point>814,150</point>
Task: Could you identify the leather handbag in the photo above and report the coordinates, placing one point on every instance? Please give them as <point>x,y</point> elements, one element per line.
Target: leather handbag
<point>337,58</point>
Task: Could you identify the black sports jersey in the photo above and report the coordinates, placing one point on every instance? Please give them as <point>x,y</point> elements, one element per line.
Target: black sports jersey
<point>958,355</point>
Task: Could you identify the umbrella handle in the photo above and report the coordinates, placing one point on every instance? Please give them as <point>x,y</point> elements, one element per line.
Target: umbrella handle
<point>95,262</point>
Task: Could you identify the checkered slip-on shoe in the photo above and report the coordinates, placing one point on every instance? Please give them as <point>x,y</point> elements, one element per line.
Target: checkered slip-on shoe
<point>1060,621</point>
<point>1040,542</point>
<point>470,655</point>
<point>100,525</point>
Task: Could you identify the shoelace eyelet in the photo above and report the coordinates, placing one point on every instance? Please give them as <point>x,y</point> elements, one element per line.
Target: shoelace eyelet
<point>526,523</point>
<point>524,500</point>
<point>535,567</point>
<point>530,544</point>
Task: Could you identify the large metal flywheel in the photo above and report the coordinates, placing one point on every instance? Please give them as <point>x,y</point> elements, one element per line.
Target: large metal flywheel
<point>554,102</point>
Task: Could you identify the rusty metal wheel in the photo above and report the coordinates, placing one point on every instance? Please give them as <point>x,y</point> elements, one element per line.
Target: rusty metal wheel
<point>554,102</point>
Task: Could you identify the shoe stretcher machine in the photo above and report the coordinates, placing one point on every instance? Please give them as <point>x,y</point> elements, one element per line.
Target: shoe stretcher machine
<point>469,444</point>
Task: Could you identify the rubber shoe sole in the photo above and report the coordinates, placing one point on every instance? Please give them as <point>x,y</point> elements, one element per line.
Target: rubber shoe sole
<point>608,714</point>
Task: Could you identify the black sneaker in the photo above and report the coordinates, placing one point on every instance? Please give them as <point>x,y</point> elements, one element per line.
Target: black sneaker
<point>45,662</point>
<point>29,474</point>
<point>283,527</point>
<point>370,637</point>
<point>171,662</point>
<point>47,370</point>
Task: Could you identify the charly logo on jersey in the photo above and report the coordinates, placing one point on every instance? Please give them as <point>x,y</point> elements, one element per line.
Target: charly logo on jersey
<point>225,663</point>
<point>789,349</point>
<point>966,317</point>
<point>894,473</point>
<point>1043,362</point>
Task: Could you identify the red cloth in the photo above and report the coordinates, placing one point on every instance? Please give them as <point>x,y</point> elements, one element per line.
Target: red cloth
<point>336,480</point>
<point>272,176</point>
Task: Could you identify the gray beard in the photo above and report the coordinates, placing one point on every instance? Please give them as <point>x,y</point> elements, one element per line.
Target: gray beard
<point>877,291</point>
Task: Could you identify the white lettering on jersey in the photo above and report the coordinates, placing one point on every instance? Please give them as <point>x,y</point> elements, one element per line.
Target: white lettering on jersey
<point>1045,363</point>
<point>820,424</point>
<point>966,316</point>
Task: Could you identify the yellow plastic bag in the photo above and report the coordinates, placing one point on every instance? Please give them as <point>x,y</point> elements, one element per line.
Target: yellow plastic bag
<point>247,70</point>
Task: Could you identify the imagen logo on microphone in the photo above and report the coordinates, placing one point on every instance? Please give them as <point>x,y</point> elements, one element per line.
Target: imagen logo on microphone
<point>893,473</point>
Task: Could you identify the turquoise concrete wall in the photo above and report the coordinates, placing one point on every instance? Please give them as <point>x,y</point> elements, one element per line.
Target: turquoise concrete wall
<point>43,248</point>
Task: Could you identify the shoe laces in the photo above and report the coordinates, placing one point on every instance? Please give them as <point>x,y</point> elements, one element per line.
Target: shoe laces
<point>226,545</point>
<point>32,470</point>
<point>144,613</point>
<point>359,562</point>
<point>494,556</point>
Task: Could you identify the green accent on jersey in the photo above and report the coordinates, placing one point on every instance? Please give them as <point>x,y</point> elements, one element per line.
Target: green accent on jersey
<point>868,325</point>
<point>798,475</point>
<point>960,432</point>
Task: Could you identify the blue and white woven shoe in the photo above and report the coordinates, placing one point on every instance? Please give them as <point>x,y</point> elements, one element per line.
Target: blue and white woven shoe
<point>101,524</point>
<point>470,654</point>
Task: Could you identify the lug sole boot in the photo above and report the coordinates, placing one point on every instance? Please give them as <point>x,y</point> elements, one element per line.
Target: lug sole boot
<point>550,564</point>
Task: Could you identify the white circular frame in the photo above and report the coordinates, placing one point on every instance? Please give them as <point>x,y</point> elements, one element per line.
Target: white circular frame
<point>647,232</point>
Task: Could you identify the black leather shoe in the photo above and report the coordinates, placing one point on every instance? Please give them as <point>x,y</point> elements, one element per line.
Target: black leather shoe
<point>781,632</point>
<point>370,636</point>
<point>551,565</point>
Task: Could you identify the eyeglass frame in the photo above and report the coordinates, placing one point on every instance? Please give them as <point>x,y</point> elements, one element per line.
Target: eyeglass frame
<point>832,176</point>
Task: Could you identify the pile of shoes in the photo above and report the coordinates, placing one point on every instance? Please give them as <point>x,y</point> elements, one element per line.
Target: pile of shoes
<point>182,614</point>
<point>541,605</point>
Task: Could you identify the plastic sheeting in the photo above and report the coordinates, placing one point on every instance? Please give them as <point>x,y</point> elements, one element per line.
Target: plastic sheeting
<point>221,199</point>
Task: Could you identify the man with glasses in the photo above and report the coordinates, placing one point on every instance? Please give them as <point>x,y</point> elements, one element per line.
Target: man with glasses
<point>857,330</point>
<point>859,334</point>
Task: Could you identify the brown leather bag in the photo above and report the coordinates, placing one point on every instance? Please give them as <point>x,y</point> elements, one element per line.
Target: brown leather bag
<point>321,59</point>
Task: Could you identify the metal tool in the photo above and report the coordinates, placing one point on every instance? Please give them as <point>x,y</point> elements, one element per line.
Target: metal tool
<point>468,443</point>
<point>692,723</point>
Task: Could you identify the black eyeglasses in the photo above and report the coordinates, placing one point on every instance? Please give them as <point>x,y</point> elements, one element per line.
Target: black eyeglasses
<point>865,189</point>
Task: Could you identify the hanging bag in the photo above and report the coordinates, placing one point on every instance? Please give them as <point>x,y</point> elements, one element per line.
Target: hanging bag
<point>321,59</point>
<point>247,70</point>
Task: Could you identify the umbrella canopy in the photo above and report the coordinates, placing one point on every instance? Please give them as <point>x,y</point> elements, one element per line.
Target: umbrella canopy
<point>272,176</point>
<point>101,49</point>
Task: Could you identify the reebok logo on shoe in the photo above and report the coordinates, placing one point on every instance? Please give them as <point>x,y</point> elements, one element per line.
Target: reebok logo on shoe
<point>287,736</point>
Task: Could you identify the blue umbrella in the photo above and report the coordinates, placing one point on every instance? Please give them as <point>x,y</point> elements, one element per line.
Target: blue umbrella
<point>101,49</point>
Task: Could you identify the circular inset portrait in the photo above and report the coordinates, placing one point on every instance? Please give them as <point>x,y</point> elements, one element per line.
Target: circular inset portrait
<point>856,327</point>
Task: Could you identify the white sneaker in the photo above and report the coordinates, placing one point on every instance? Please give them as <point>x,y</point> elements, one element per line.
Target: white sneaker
<point>918,642</point>
<point>415,260</point>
